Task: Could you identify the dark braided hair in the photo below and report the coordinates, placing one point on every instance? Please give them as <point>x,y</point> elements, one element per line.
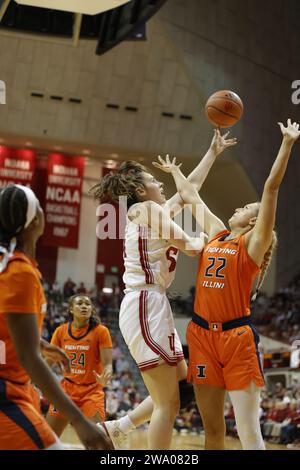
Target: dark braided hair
<point>13,212</point>
<point>94,319</point>
<point>123,182</point>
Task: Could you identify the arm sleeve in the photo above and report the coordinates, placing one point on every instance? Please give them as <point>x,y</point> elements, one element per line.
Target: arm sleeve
<point>19,293</point>
<point>104,337</point>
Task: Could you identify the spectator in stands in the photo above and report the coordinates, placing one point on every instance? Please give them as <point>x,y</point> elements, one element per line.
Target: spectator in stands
<point>196,422</point>
<point>82,289</point>
<point>279,392</point>
<point>122,364</point>
<point>56,293</point>
<point>69,288</point>
<point>112,405</point>
<point>290,429</point>
<point>283,410</point>
<point>125,404</point>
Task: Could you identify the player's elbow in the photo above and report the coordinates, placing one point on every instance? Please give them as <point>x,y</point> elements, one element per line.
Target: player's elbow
<point>271,186</point>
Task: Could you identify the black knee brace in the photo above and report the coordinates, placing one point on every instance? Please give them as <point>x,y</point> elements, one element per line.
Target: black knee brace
<point>186,392</point>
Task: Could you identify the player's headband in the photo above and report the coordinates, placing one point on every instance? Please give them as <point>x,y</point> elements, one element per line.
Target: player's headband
<point>32,203</point>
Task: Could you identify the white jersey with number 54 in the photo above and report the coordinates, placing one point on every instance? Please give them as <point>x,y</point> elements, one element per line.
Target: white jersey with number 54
<point>148,260</point>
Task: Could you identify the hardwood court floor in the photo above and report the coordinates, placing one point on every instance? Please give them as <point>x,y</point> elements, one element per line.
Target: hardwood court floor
<point>138,440</point>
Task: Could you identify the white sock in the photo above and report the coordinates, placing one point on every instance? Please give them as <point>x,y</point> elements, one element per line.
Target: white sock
<point>126,425</point>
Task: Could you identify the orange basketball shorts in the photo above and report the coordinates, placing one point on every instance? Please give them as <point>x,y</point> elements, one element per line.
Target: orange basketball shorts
<point>227,359</point>
<point>22,426</point>
<point>89,398</point>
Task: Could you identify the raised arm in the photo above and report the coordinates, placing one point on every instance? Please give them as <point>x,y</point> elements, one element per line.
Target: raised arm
<point>159,220</point>
<point>187,191</point>
<point>259,239</point>
<point>197,177</point>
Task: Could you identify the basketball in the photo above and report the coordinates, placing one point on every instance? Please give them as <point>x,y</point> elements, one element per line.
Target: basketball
<point>224,108</point>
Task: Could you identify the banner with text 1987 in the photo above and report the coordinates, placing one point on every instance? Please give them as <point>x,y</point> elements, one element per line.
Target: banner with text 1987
<point>63,200</point>
<point>17,166</point>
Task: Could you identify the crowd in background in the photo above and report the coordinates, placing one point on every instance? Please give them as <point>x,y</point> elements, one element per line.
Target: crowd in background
<point>58,303</point>
<point>277,316</point>
<point>279,417</point>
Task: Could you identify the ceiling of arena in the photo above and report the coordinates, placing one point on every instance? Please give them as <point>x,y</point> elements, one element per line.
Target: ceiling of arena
<point>109,21</point>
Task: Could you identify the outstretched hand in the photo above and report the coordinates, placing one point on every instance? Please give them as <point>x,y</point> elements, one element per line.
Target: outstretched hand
<point>55,356</point>
<point>291,131</point>
<point>220,142</point>
<point>104,377</point>
<point>166,165</point>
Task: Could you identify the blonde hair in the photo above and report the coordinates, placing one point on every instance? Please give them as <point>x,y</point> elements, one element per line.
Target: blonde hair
<point>123,182</point>
<point>265,265</point>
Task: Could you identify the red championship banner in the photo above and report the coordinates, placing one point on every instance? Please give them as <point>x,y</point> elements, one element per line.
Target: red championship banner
<point>63,200</point>
<point>17,166</point>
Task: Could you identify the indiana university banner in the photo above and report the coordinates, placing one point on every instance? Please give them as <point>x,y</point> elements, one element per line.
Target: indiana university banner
<point>17,166</point>
<point>63,200</point>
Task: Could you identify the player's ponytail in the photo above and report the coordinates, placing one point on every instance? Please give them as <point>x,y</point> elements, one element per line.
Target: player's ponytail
<point>94,319</point>
<point>120,183</point>
<point>265,265</point>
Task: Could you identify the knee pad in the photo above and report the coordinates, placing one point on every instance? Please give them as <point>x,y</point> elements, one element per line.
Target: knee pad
<point>186,392</point>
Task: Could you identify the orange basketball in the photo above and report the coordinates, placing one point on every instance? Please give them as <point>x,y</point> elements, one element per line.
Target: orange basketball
<point>224,108</point>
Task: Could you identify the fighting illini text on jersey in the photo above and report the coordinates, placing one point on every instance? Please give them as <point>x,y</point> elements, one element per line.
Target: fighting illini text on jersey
<point>83,345</point>
<point>223,343</point>
<point>225,278</point>
<point>83,348</point>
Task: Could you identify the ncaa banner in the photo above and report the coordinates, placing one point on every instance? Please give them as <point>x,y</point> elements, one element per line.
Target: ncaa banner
<point>63,200</point>
<point>17,166</point>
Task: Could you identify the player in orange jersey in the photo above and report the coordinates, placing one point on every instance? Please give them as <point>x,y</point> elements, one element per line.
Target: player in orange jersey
<point>22,308</point>
<point>223,343</point>
<point>89,347</point>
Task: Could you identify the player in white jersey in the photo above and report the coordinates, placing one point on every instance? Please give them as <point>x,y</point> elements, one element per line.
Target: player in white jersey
<point>150,264</point>
<point>147,260</point>
<point>146,320</point>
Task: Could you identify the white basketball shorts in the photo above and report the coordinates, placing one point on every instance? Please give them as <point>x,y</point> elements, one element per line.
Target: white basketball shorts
<point>147,326</point>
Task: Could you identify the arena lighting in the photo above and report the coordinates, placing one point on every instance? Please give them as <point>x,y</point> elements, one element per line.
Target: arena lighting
<point>110,163</point>
<point>85,7</point>
<point>107,290</point>
<point>89,161</point>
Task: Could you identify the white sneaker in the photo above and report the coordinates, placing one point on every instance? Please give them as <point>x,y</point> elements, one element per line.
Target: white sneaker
<point>117,436</point>
<point>293,446</point>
